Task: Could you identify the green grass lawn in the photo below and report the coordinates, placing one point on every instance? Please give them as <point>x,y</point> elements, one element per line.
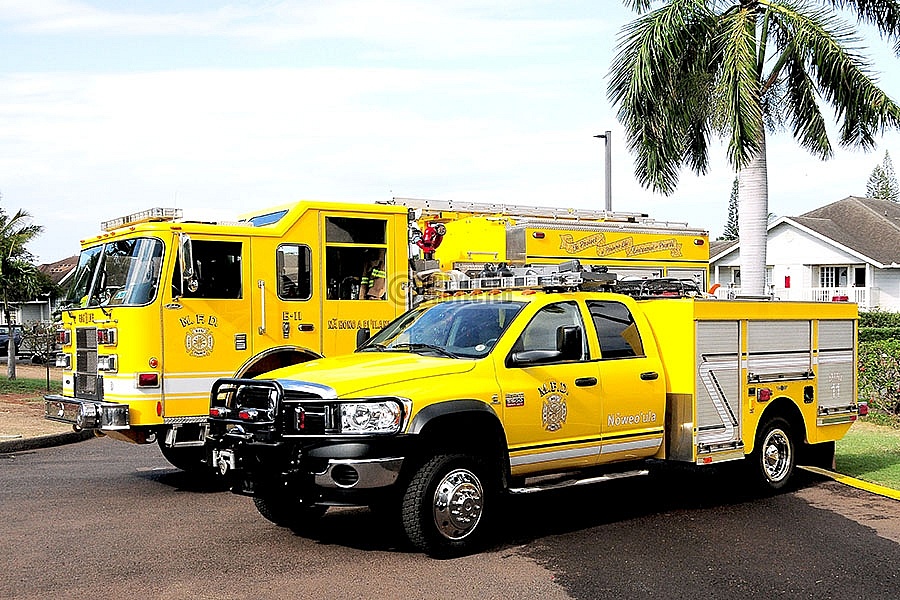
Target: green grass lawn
<point>871,453</point>
<point>28,386</point>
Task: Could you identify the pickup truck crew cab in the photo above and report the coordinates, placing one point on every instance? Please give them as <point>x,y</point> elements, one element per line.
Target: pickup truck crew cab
<point>462,400</point>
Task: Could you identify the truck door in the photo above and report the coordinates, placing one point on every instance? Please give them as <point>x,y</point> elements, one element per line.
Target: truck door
<point>551,408</point>
<point>206,325</point>
<point>632,386</point>
<point>359,264</point>
<point>288,305</point>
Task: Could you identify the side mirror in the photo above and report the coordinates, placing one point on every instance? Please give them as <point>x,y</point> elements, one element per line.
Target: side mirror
<point>362,335</point>
<point>186,258</point>
<point>569,342</point>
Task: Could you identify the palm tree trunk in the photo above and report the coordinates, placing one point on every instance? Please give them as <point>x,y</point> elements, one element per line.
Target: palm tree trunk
<point>753,211</point>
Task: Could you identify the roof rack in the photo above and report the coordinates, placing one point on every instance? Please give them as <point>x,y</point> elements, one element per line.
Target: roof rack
<point>567,276</point>
<point>144,216</point>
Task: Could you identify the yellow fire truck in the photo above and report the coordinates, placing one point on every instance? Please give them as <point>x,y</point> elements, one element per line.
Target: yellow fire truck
<point>538,381</point>
<point>161,307</point>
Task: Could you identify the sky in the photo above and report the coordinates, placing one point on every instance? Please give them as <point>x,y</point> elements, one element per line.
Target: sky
<point>109,108</point>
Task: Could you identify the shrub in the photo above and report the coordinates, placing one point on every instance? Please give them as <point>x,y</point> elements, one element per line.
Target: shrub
<point>879,318</point>
<point>874,334</point>
<point>879,375</point>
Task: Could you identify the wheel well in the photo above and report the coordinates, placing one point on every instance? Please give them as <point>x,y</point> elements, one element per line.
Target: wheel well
<point>476,432</point>
<point>274,358</point>
<point>786,409</point>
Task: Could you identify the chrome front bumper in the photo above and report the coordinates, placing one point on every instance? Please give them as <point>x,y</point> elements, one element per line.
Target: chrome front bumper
<point>359,473</point>
<point>86,414</point>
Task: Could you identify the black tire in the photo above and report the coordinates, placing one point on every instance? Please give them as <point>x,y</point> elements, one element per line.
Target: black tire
<point>774,455</point>
<point>448,503</point>
<point>289,512</point>
<point>192,459</point>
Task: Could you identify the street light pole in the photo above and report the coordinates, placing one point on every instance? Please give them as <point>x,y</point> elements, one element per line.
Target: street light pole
<point>607,137</point>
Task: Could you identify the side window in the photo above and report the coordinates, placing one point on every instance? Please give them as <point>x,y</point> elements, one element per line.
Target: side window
<point>217,270</point>
<point>616,330</point>
<point>292,263</point>
<point>541,332</point>
<point>355,251</point>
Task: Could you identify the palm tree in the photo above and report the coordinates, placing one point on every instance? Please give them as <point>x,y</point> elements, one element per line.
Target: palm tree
<point>691,69</point>
<point>19,278</point>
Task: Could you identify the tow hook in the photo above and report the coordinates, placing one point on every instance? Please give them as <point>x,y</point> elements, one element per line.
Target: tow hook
<point>224,461</point>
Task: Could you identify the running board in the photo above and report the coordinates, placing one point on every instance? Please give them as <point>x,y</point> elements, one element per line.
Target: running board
<point>571,482</point>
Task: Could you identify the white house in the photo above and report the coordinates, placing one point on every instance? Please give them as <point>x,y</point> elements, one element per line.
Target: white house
<point>849,248</point>
<point>41,308</point>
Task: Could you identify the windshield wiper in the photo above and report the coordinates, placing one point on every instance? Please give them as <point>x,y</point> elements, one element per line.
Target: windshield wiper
<point>373,346</point>
<point>416,346</point>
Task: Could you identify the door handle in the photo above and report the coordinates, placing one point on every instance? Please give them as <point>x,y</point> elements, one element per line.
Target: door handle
<point>586,381</point>
<point>262,306</point>
<point>649,375</point>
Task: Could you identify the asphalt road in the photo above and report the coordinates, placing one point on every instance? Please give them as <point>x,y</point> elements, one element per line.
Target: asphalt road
<point>108,519</point>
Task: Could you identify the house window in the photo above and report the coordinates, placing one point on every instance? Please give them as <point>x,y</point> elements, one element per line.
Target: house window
<point>830,277</point>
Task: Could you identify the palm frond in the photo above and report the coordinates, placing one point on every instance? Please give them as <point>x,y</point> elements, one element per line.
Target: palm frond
<point>659,82</point>
<point>739,87</point>
<point>827,49</point>
<point>883,14</point>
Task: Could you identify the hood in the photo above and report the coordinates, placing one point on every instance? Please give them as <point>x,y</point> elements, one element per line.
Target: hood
<point>354,373</point>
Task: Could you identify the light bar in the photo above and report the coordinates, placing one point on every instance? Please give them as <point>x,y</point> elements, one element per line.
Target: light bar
<point>144,216</point>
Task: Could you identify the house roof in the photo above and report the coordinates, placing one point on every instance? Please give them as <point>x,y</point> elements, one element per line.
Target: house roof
<point>717,247</point>
<point>868,227</point>
<point>58,270</point>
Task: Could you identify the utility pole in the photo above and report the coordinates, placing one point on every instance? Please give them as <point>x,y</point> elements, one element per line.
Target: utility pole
<point>607,137</point>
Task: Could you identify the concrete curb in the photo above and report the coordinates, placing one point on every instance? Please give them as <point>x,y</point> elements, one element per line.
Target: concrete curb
<point>43,441</point>
<point>857,483</point>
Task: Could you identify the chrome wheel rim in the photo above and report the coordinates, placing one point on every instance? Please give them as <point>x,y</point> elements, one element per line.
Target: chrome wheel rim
<point>776,455</point>
<point>458,504</point>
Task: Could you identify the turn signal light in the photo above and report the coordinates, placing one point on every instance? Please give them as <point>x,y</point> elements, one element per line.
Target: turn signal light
<point>107,337</point>
<point>248,414</point>
<point>218,412</point>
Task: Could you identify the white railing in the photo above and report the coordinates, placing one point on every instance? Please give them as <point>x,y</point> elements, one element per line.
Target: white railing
<point>865,297</point>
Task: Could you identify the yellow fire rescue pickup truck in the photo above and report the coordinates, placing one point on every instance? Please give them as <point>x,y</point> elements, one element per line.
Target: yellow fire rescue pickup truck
<point>494,391</point>
<point>161,307</point>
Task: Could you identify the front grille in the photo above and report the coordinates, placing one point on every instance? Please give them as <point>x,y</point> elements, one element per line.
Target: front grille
<point>297,412</point>
<point>88,384</point>
<point>307,418</point>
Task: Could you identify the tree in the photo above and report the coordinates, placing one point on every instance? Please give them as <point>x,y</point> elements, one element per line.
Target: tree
<point>691,69</point>
<point>20,280</point>
<point>731,224</point>
<point>883,182</point>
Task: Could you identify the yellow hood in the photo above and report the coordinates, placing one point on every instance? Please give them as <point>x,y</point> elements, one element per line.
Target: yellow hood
<point>352,374</point>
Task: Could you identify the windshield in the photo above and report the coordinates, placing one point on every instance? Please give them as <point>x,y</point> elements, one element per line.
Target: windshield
<point>464,329</point>
<point>120,273</point>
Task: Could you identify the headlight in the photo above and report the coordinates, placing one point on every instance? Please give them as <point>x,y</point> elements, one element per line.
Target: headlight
<point>371,417</point>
